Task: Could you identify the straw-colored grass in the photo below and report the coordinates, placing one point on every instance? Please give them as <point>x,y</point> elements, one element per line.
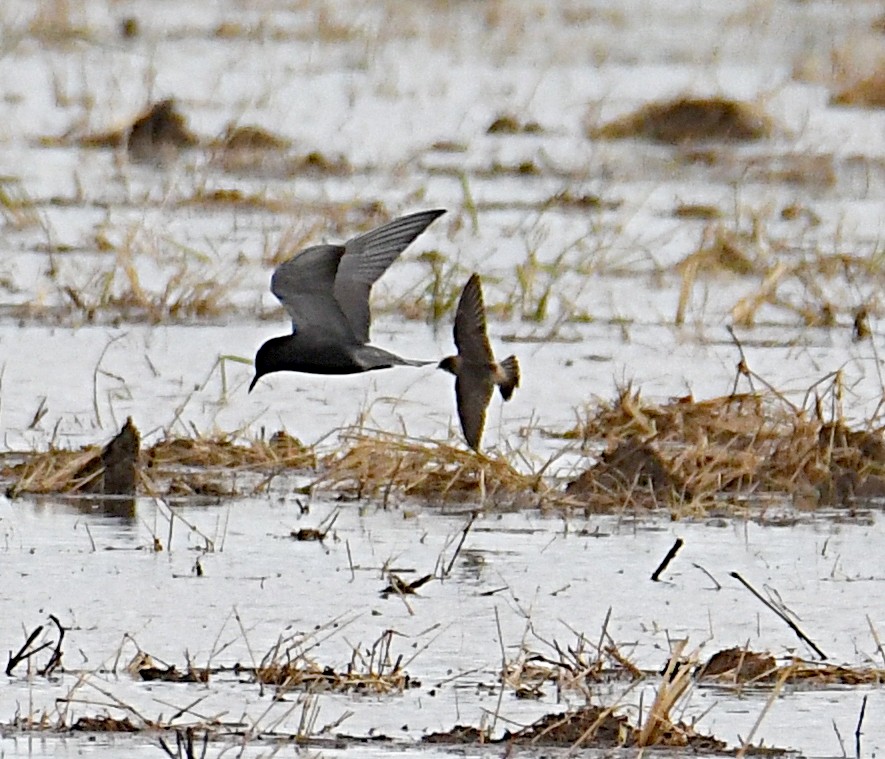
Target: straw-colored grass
<point>373,671</point>
<point>182,463</point>
<point>699,456</point>
<point>374,464</point>
<point>741,667</point>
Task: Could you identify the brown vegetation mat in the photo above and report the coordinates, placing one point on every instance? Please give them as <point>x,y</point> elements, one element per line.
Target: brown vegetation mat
<point>689,455</point>
<point>374,464</point>
<point>371,670</point>
<point>724,455</point>
<point>686,120</point>
<point>180,463</point>
<point>739,666</point>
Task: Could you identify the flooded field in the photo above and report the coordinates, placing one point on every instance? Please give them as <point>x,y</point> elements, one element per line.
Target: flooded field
<point>676,211</point>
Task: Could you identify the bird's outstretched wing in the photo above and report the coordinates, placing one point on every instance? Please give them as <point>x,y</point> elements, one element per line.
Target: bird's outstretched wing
<point>304,285</point>
<point>473,392</point>
<point>470,326</point>
<point>366,258</point>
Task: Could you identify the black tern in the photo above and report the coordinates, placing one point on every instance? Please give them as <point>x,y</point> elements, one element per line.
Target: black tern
<point>325,289</point>
<point>475,369</point>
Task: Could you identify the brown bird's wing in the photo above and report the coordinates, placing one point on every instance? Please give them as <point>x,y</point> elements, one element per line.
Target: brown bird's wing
<point>366,258</point>
<point>473,392</point>
<point>470,326</point>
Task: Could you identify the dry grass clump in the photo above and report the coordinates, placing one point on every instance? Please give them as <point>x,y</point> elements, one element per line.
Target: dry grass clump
<point>188,289</point>
<point>686,120</point>
<point>599,727</point>
<point>222,452</point>
<point>287,667</point>
<point>180,462</point>
<point>374,464</point>
<point>740,666</point>
<point>573,668</point>
<point>52,471</point>
<point>807,284</point>
<point>689,455</point>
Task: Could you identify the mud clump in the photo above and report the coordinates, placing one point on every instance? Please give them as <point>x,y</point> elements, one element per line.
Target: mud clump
<point>737,665</point>
<point>155,136</point>
<point>631,466</point>
<point>251,138</point>
<point>115,470</point>
<point>159,134</point>
<point>689,120</point>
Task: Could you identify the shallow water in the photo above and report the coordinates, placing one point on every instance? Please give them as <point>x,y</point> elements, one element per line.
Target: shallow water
<point>379,85</point>
<point>536,579</point>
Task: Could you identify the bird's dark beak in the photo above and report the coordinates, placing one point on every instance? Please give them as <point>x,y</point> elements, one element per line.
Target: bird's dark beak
<point>254,380</point>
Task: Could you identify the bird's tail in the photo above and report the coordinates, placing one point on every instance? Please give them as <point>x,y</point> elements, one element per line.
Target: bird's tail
<point>414,362</point>
<point>371,357</point>
<point>509,379</point>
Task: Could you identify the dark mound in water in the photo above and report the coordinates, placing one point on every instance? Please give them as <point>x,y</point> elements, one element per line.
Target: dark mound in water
<point>688,120</point>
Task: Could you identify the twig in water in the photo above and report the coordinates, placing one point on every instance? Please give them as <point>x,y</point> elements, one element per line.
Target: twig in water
<point>674,549</point>
<point>715,581</point>
<point>857,731</point>
<point>789,622</point>
<point>55,659</point>
<point>467,527</point>
<point>23,652</point>
<point>503,670</point>
<point>839,738</point>
<point>350,560</point>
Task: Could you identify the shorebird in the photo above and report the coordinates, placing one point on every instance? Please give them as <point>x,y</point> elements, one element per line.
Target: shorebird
<point>475,369</point>
<point>325,289</point>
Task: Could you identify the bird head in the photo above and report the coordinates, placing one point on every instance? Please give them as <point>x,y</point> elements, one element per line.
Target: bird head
<point>265,362</point>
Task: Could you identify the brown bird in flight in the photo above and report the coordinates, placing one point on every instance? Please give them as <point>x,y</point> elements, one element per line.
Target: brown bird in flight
<point>475,369</point>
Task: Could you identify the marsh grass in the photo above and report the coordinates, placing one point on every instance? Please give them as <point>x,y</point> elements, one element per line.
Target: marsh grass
<point>181,463</point>
<point>794,280</point>
<point>865,91</point>
<point>373,464</point>
<point>187,288</point>
<point>725,454</point>
<point>741,668</point>
<point>371,671</point>
<point>734,455</point>
<point>17,208</point>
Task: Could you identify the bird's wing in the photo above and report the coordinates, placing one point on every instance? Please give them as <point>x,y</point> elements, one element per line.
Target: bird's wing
<point>366,258</point>
<point>304,285</point>
<point>470,325</point>
<point>473,392</point>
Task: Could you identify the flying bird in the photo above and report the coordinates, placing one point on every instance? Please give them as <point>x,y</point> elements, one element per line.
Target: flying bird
<point>475,369</point>
<point>325,289</point>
